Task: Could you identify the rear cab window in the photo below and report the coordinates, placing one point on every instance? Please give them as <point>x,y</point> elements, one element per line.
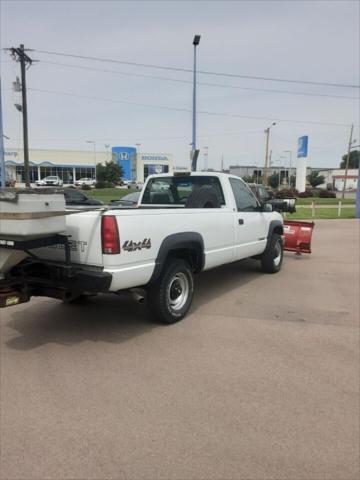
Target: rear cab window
<point>176,190</point>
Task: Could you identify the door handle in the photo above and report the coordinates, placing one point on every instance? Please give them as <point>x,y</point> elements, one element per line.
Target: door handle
<point>241,221</point>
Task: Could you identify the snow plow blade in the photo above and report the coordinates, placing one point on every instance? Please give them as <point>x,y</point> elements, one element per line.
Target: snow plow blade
<point>298,236</point>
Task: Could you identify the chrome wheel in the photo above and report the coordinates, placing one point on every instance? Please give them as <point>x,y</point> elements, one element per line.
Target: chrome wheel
<point>178,291</point>
<point>277,253</point>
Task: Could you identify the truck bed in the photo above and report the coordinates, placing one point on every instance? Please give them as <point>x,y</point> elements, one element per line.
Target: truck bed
<point>138,229</point>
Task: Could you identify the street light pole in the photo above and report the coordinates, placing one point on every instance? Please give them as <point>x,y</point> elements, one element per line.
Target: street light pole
<point>290,162</point>
<point>267,132</point>
<point>196,42</point>
<point>206,158</point>
<point>107,146</point>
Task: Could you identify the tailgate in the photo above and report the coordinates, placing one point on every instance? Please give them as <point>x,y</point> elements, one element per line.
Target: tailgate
<point>84,230</point>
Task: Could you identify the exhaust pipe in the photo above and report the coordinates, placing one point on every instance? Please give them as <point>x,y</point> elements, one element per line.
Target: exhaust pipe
<point>135,293</point>
<point>137,296</point>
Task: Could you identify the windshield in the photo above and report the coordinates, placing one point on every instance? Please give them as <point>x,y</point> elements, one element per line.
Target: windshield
<point>51,178</point>
<point>176,190</point>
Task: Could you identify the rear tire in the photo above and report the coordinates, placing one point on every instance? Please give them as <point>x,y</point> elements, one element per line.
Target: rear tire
<point>271,259</point>
<point>170,297</point>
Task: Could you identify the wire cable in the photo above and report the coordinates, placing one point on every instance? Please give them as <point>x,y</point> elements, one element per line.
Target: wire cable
<point>187,110</point>
<point>203,72</point>
<point>189,82</point>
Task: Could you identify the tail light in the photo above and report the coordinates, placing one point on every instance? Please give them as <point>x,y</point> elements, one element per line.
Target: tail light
<point>110,235</point>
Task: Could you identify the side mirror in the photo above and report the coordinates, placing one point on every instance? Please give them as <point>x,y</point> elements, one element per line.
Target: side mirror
<point>266,207</point>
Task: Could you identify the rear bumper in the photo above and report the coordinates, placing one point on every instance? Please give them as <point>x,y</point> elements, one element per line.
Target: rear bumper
<point>51,279</point>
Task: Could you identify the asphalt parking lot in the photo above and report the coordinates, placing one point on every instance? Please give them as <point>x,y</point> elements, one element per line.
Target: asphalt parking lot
<point>260,381</point>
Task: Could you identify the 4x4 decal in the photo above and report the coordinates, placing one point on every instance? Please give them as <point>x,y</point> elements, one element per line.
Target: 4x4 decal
<point>130,246</point>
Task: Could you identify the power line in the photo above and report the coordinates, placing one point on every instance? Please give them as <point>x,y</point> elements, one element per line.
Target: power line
<point>204,72</point>
<point>141,75</point>
<point>180,109</point>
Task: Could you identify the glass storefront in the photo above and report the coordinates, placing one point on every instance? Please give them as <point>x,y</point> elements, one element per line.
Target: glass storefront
<point>84,172</point>
<point>65,173</point>
<point>20,174</point>
<point>153,169</point>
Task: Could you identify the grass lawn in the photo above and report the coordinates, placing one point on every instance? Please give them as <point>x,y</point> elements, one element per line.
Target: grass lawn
<point>305,213</point>
<point>108,194</point>
<point>324,201</point>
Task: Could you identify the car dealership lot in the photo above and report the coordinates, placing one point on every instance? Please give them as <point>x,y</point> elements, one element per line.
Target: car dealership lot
<point>260,380</point>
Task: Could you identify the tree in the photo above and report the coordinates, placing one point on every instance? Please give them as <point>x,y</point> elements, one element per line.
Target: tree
<point>110,172</point>
<point>100,172</point>
<point>315,179</point>
<point>273,180</point>
<point>354,159</point>
<point>113,172</point>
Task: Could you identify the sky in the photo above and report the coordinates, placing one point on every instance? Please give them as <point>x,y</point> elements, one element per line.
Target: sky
<point>72,100</point>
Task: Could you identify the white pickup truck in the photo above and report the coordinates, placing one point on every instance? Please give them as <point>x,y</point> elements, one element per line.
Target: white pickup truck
<point>183,224</point>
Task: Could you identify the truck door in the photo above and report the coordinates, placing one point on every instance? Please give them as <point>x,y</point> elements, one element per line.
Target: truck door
<point>249,223</point>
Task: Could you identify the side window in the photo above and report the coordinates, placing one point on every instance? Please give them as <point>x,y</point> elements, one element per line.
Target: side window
<point>245,200</point>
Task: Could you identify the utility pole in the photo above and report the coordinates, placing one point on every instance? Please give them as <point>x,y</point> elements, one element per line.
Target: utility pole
<point>266,167</point>
<point>20,55</point>
<point>2,156</point>
<point>347,161</point>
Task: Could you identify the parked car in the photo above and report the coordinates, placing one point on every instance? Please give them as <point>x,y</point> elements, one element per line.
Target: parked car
<point>74,197</point>
<point>135,185</point>
<point>90,182</point>
<point>129,200</point>
<point>51,181</point>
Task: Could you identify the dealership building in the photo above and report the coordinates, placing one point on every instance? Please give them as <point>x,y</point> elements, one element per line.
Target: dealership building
<point>71,165</point>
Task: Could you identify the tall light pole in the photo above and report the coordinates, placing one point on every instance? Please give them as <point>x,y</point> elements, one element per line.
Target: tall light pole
<point>266,167</point>
<point>196,42</point>
<point>206,158</point>
<point>107,146</point>
<point>290,162</point>
<point>94,144</point>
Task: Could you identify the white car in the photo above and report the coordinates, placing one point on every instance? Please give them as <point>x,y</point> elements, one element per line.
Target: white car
<point>135,185</point>
<point>183,224</point>
<point>90,182</point>
<point>51,181</point>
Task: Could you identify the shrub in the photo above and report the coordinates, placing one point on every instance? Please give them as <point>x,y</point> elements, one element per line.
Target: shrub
<point>315,179</point>
<point>287,193</point>
<point>104,184</point>
<point>306,194</point>
<point>327,194</point>
<point>85,187</point>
